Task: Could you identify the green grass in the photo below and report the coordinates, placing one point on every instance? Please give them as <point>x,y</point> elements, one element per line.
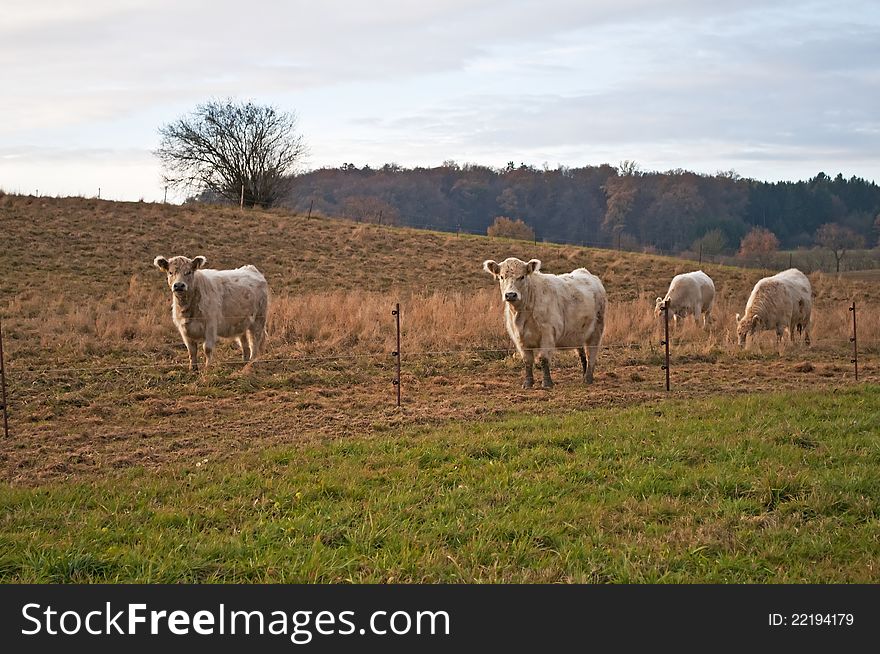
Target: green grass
<point>782,488</point>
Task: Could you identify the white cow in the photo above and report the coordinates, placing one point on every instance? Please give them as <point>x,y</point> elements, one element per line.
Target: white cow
<point>211,304</point>
<point>543,312</point>
<point>783,301</point>
<point>690,293</point>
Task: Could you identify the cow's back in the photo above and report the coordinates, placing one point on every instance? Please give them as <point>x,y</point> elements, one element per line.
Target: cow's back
<point>796,281</point>
<point>800,292</point>
<point>706,286</point>
<point>684,290</point>
<point>570,303</point>
<point>232,297</point>
<point>772,300</point>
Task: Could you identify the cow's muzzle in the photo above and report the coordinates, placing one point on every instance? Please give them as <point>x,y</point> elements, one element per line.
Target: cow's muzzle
<point>179,287</point>
<point>511,297</point>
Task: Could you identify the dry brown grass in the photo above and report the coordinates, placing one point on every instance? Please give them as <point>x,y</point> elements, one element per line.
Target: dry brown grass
<point>345,322</point>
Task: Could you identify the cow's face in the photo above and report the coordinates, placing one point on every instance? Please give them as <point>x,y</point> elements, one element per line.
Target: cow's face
<point>513,276</point>
<point>745,328</point>
<point>658,307</point>
<point>180,272</point>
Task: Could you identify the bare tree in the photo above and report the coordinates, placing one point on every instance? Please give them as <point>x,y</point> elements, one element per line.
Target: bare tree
<point>838,239</point>
<point>370,209</point>
<point>711,243</point>
<point>240,151</point>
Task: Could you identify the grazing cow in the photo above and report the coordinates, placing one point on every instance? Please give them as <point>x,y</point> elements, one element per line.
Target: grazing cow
<point>690,293</point>
<point>783,301</point>
<point>543,312</point>
<point>211,304</point>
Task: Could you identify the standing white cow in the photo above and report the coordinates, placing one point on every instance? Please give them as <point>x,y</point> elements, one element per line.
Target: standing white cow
<point>211,304</point>
<point>690,293</point>
<point>543,312</point>
<point>783,301</point>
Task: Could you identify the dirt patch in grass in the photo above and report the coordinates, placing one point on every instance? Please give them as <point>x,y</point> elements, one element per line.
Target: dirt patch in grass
<point>179,417</point>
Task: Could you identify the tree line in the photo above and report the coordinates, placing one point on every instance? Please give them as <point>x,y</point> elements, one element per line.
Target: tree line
<point>613,206</point>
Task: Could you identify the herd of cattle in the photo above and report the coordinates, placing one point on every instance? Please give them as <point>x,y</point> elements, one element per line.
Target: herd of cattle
<point>542,312</point>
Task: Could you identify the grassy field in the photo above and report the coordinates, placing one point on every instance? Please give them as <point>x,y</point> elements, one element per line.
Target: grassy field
<point>122,465</point>
<point>778,488</point>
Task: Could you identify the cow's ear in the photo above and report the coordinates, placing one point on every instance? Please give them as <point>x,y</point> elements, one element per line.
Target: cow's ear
<point>533,265</point>
<point>161,263</point>
<point>199,262</point>
<point>491,267</point>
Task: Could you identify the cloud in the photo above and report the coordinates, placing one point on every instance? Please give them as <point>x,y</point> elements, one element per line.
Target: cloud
<point>402,81</point>
<point>752,89</point>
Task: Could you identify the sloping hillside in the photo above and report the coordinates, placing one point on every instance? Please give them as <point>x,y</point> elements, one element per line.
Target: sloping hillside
<point>87,246</point>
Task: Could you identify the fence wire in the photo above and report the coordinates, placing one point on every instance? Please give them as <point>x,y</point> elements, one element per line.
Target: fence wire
<point>14,371</point>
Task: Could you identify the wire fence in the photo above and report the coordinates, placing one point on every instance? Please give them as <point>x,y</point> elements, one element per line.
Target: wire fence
<point>665,347</point>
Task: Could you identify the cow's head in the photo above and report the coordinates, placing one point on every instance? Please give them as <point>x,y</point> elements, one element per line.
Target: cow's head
<point>180,271</point>
<point>745,327</point>
<point>658,307</point>
<point>513,276</point>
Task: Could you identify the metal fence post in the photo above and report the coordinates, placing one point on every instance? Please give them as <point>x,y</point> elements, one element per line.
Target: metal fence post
<point>855,342</point>
<point>665,341</point>
<point>396,353</point>
<point>3,387</point>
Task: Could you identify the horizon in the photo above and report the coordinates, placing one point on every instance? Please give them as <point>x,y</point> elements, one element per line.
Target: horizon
<point>98,195</point>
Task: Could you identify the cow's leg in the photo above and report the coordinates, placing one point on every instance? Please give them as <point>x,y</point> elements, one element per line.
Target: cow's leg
<point>698,315</point>
<point>593,341</point>
<point>528,363</point>
<point>209,353</point>
<point>593,349</point>
<point>193,349</point>
<point>210,340</point>
<point>545,354</point>
<point>244,344</point>
<point>807,332</point>
<point>583,357</point>
<point>257,335</point>
<point>707,316</point>
<point>780,333</point>
<point>545,368</point>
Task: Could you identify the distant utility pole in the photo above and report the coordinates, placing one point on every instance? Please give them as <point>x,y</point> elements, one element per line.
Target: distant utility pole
<point>165,199</point>
<point>99,192</point>
<point>241,203</point>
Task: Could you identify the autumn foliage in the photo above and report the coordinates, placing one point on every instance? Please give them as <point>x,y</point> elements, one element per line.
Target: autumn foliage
<point>508,228</point>
<point>758,244</point>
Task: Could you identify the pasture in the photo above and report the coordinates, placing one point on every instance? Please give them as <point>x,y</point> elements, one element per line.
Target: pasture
<point>123,465</point>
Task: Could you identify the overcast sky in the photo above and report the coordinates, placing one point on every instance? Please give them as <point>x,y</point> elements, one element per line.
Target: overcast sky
<point>773,90</point>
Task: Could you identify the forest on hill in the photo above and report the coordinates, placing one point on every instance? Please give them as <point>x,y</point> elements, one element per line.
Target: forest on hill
<point>611,206</point>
